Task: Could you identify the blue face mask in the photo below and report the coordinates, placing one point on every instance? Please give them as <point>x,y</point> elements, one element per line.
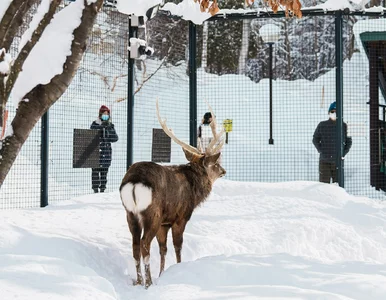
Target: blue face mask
<point>105,117</point>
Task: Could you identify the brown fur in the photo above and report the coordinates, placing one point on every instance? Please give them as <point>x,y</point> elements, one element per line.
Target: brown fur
<point>176,192</point>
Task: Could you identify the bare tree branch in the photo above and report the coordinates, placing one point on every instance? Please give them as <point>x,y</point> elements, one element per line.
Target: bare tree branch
<point>115,80</point>
<point>144,80</point>
<point>103,77</point>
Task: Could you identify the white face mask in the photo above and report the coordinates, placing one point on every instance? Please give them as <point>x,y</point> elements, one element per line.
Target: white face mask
<point>333,116</point>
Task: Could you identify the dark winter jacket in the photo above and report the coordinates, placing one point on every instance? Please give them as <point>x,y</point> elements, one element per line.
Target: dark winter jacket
<point>325,137</point>
<point>107,136</point>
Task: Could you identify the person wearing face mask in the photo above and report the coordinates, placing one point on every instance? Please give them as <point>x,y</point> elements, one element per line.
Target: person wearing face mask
<point>324,140</point>
<point>107,136</point>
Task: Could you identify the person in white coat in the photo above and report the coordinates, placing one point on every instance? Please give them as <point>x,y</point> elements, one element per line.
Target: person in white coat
<point>204,133</point>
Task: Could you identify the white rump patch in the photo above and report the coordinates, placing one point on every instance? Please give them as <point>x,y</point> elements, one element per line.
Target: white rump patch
<point>143,196</point>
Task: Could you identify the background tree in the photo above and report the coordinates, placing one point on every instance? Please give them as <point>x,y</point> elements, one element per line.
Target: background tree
<point>42,96</point>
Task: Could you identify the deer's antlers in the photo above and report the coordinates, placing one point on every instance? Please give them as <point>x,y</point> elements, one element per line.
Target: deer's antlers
<point>214,146</point>
<point>170,133</point>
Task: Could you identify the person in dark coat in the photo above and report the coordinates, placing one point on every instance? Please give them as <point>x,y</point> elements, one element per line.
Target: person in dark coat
<point>107,136</point>
<point>324,140</point>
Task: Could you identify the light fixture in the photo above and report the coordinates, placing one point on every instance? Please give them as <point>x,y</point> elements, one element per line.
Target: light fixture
<point>270,33</point>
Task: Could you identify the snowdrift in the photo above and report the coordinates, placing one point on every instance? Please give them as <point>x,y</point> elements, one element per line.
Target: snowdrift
<point>302,240</point>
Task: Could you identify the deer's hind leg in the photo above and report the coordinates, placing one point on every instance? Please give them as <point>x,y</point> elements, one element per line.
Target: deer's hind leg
<point>162,236</point>
<point>135,229</point>
<point>151,226</point>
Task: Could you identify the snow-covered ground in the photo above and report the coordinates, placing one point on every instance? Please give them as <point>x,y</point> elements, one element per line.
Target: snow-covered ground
<point>295,240</point>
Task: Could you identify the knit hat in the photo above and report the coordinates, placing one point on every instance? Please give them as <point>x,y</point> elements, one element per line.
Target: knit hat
<point>103,109</point>
<point>332,106</point>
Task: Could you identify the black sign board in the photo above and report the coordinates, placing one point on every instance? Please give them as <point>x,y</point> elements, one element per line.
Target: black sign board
<point>85,148</point>
<point>161,147</point>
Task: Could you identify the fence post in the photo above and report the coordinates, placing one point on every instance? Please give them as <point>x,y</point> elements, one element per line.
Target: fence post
<point>193,84</point>
<point>375,179</point>
<point>339,94</point>
<point>44,152</point>
<point>130,101</point>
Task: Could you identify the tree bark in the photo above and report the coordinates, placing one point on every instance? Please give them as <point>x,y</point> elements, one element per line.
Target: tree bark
<point>42,97</point>
<point>204,55</point>
<point>9,25</point>
<point>288,50</point>
<point>12,20</point>
<point>244,46</point>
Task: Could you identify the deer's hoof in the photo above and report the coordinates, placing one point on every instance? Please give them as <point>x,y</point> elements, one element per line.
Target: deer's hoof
<point>139,281</point>
<point>148,283</point>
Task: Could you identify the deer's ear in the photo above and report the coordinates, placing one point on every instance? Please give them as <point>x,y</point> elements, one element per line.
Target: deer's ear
<point>191,157</point>
<point>211,160</point>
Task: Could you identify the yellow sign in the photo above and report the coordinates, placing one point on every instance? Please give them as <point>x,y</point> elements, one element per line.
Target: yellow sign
<point>228,125</point>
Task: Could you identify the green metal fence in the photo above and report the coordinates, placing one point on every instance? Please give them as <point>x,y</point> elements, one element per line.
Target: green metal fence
<point>274,108</point>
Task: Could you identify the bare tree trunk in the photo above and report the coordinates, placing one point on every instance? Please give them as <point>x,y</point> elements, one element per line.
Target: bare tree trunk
<point>204,55</point>
<point>43,96</point>
<point>244,46</point>
<point>288,50</point>
<point>316,45</point>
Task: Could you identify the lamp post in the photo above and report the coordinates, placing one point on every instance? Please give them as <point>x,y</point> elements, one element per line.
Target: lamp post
<point>270,34</point>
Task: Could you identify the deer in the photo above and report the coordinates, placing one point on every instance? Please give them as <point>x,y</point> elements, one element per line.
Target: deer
<point>158,197</point>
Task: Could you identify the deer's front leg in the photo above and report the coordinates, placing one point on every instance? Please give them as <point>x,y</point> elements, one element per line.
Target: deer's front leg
<point>178,233</point>
<point>162,236</point>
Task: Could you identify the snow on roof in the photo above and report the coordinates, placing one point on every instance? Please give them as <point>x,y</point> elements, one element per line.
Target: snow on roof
<point>190,10</point>
<point>136,7</point>
<point>353,5</point>
<point>342,4</point>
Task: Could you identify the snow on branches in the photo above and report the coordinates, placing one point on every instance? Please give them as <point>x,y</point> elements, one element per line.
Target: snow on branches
<point>5,62</point>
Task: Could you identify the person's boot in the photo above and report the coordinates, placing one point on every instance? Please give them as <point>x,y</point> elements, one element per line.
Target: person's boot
<point>102,190</point>
<point>95,190</point>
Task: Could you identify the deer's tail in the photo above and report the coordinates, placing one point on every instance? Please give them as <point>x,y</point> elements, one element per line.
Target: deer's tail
<point>135,197</point>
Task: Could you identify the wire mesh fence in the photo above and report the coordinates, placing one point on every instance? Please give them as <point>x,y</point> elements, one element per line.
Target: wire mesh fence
<point>164,77</point>
<point>282,127</point>
<point>271,111</point>
<point>101,80</point>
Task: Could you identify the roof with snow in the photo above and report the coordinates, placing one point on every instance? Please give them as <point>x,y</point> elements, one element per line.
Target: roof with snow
<point>190,10</point>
